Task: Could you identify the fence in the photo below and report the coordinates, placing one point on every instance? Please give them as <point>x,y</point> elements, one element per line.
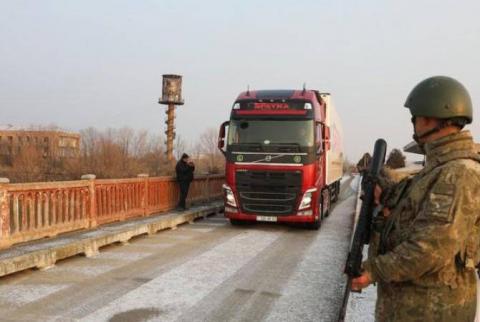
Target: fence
<point>31,211</point>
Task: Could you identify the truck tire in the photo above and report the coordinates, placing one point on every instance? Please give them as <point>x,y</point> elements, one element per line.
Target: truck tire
<point>333,195</point>
<point>317,223</point>
<point>335,192</point>
<point>326,212</point>
<point>314,225</point>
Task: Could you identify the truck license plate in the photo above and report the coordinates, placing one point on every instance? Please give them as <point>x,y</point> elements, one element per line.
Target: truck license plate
<point>266,218</point>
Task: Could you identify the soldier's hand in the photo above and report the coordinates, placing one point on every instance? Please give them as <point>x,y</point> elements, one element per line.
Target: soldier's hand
<point>386,212</point>
<point>361,282</point>
<point>377,193</point>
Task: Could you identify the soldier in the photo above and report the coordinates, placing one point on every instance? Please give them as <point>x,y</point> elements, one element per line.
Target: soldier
<point>184,170</point>
<point>425,266</point>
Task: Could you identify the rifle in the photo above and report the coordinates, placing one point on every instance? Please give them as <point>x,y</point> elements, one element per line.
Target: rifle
<point>362,232</point>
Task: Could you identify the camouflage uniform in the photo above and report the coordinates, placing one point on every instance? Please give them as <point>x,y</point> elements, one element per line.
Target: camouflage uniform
<point>430,240</point>
<point>387,185</point>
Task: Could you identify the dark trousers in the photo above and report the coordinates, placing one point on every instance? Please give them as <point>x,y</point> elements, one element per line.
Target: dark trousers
<point>184,185</point>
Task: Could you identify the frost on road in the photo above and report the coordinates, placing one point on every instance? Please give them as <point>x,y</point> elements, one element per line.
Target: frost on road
<point>361,306</point>
<point>320,275</point>
<point>204,271</point>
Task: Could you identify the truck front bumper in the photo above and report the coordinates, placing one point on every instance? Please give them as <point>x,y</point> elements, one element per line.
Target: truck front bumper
<point>289,218</point>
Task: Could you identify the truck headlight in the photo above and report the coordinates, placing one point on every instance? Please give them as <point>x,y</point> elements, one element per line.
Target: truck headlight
<point>229,197</point>
<point>307,199</point>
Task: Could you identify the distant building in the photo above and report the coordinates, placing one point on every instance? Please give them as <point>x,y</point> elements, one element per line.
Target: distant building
<point>54,143</point>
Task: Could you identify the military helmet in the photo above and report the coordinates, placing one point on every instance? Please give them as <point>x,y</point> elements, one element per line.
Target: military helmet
<point>440,97</point>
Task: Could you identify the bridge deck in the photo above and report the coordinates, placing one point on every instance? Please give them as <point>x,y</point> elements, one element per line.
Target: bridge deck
<point>44,253</point>
<point>204,271</point>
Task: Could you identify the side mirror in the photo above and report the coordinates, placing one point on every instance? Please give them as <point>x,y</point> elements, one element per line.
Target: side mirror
<point>221,136</point>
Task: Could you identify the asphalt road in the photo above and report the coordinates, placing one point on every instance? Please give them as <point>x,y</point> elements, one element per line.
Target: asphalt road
<point>205,271</point>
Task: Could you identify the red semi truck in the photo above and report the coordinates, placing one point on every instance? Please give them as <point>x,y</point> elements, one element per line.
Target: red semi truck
<point>284,157</point>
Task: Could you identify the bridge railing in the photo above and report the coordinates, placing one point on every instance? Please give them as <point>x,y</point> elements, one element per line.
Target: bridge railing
<point>30,211</point>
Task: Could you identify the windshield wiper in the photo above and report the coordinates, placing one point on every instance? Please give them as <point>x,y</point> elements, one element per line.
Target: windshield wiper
<point>287,147</point>
<point>287,144</point>
<point>255,145</point>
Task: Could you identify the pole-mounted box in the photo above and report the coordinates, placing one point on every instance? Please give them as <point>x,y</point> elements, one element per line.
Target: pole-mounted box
<point>171,90</point>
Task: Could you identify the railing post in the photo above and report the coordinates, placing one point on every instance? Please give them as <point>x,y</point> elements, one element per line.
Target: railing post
<point>92,199</point>
<point>144,201</point>
<point>207,189</point>
<point>4,213</point>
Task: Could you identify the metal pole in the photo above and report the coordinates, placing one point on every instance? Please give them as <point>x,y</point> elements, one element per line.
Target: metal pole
<point>170,130</point>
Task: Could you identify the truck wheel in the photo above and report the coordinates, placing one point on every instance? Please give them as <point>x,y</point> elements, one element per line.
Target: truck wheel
<point>334,194</point>
<point>314,225</point>
<point>337,191</point>
<point>317,223</point>
<point>326,212</point>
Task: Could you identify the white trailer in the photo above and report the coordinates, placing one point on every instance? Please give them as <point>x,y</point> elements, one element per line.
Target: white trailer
<point>334,140</point>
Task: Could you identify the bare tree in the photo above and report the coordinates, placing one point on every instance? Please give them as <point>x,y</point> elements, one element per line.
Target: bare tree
<point>396,159</point>
<point>347,166</point>
<point>140,144</point>
<point>181,146</point>
<point>208,151</point>
<point>111,153</point>
<point>364,162</point>
<point>28,165</point>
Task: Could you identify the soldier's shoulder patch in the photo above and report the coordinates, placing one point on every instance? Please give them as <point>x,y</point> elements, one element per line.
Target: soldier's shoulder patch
<point>440,201</point>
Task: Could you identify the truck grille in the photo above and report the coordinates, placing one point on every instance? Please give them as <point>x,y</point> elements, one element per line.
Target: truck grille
<point>268,192</point>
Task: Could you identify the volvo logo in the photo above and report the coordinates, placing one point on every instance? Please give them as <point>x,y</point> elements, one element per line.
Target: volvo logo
<point>239,158</point>
<point>268,158</point>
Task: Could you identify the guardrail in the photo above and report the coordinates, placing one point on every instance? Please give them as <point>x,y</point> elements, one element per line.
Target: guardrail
<point>30,211</point>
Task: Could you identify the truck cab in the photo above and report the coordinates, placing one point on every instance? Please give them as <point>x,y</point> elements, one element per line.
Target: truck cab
<point>280,148</point>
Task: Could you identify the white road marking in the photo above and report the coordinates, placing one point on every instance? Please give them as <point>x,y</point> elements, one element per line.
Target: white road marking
<point>178,235</point>
<point>149,245</point>
<point>124,256</point>
<point>176,290</point>
<point>213,223</point>
<point>19,294</point>
<point>90,270</point>
<point>201,230</point>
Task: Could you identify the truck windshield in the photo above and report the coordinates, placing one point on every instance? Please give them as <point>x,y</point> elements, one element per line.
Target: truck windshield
<point>271,133</point>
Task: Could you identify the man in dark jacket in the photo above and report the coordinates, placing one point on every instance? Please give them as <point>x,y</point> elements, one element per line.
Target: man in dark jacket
<point>184,170</point>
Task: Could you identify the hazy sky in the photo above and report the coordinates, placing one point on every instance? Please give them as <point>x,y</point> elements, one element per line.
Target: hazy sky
<point>100,63</point>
